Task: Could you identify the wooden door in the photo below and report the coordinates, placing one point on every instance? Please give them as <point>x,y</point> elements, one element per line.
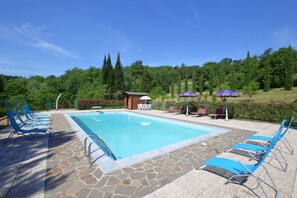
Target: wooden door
<point>130,104</point>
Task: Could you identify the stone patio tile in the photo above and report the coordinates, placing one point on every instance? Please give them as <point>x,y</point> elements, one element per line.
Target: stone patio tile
<point>172,191</point>
<point>125,190</point>
<point>196,182</point>
<point>95,194</point>
<point>83,192</point>
<point>144,191</point>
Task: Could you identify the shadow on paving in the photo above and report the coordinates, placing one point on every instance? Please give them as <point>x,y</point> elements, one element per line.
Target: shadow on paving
<point>66,164</point>
<point>18,158</point>
<point>55,174</point>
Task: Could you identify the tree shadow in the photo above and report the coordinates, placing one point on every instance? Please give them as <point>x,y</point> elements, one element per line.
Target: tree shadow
<point>23,161</point>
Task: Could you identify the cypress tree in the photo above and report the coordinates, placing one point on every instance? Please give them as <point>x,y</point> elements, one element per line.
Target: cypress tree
<point>104,71</point>
<point>288,81</point>
<point>179,86</point>
<point>247,69</point>
<point>110,77</point>
<point>201,83</point>
<point>211,83</point>
<point>186,84</point>
<point>194,81</point>
<point>119,81</point>
<point>172,89</point>
<point>267,69</point>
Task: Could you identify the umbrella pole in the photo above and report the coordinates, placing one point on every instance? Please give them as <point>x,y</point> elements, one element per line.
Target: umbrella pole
<point>226,118</point>
<point>187,110</point>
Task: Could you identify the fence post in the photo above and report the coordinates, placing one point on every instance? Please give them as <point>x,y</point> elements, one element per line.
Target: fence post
<point>76,104</point>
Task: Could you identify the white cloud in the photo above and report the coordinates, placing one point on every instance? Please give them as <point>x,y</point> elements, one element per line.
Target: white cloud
<point>196,14</point>
<point>33,36</point>
<point>286,36</point>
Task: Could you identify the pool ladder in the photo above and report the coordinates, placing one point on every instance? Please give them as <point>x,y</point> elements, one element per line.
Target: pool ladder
<point>87,148</point>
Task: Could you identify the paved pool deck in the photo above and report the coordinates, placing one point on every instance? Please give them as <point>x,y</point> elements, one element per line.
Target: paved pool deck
<point>56,167</point>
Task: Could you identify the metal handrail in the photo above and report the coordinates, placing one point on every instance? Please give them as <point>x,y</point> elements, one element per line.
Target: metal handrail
<point>85,142</point>
<point>87,149</point>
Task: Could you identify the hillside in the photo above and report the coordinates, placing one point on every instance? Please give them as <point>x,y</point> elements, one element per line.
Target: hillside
<point>274,95</point>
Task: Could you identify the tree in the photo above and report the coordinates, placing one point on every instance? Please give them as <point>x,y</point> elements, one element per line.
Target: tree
<point>194,83</point>
<point>157,92</point>
<point>1,85</point>
<point>179,86</point>
<point>104,71</point>
<point>250,89</point>
<point>186,84</point>
<point>92,91</point>
<point>172,89</point>
<point>288,81</point>
<point>93,75</point>
<point>265,62</point>
<point>247,69</point>
<point>15,87</point>
<point>201,83</point>
<point>110,77</point>
<point>119,81</point>
<point>135,72</point>
<point>145,81</point>
<point>211,83</point>
<point>280,59</point>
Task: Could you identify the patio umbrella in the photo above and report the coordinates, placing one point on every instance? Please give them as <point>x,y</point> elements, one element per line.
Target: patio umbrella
<point>225,94</point>
<point>145,98</point>
<point>188,94</point>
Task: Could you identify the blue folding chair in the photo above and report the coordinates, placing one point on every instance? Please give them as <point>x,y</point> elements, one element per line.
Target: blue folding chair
<point>239,169</point>
<point>260,150</point>
<point>18,130</point>
<point>282,138</point>
<point>34,114</point>
<point>27,115</point>
<point>31,124</point>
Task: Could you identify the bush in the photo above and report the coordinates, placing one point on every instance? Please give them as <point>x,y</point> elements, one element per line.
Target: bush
<point>272,112</point>
<point>107,104</point>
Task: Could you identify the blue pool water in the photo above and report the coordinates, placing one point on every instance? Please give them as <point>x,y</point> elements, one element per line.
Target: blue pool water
<point>128,134</point>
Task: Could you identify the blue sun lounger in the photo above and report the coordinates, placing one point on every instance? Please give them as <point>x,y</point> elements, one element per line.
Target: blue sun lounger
<point>239,169</point>
<point>18,130</point>
<point>281,138</point>
<point>26,124</point>
<point>27,115</point>
<point>34,114</point>
<point>254,150</point>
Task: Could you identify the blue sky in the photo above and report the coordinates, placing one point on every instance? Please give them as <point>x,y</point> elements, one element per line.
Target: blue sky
<point>47,37</point>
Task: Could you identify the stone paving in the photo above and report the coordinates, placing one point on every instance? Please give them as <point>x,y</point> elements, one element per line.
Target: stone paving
<point>56,167</point>
<point>22,163</point>
<point>67,174</point>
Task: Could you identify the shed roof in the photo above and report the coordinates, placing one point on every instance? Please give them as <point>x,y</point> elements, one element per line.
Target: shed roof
<point>136,93</point>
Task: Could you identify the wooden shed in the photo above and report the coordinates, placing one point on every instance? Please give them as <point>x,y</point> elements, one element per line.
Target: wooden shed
<point>132,99</point>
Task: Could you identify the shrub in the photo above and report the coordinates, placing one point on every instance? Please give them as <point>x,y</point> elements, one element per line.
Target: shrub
<point>272,112</point>
<point>109,104</point>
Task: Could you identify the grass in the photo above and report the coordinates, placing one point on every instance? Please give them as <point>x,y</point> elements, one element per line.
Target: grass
<point>273,95</point>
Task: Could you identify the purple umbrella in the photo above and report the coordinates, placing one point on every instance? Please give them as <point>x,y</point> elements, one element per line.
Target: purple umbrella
<point>188,94</point>
<point>225,94</point>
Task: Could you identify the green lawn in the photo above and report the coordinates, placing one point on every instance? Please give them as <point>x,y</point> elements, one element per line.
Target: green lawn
<point>274,95</point>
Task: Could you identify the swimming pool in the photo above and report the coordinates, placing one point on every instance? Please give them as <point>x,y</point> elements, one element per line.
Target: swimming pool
<point>129,134</point>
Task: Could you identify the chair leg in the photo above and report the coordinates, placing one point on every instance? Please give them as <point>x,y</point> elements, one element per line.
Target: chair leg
<point>286,163</point>
<point>275,188</point>
<point>288,145</point>
<point>9,137</point>
<point>259,182</point>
